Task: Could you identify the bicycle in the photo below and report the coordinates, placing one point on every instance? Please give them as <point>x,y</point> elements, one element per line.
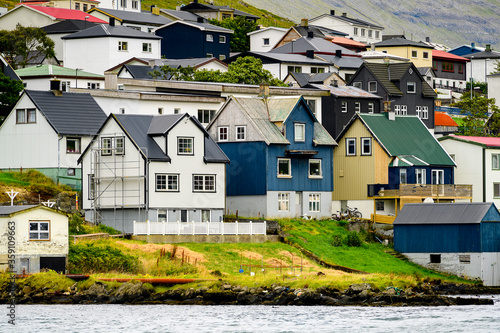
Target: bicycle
<point>347,214</point>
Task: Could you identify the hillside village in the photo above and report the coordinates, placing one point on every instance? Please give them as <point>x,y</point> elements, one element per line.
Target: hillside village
<point>349,117</point>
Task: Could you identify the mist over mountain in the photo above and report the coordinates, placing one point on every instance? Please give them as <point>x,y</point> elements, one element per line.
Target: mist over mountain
<point>449,22</point>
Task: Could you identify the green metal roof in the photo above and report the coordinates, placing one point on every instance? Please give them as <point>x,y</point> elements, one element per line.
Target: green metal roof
<point>51,70</point>
<point>406,135</point>
<point>407,161</point>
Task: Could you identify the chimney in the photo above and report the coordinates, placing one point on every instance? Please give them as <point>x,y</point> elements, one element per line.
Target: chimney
<point>428,39</point>
<point>155,10</point>
<point>338,53</point>
<point>310,34</point>
<point>264,90</point>
<point>112,21</point>
<point>55,86</point>
<point>344,14</point>
<point>310,53</point>
<point>488,48</point>
<point>200,19</point>
<point>473,45</point>
<point>110,80</point>
<point>372,47</point>
<point>332,12</point>
<point>303,23</point>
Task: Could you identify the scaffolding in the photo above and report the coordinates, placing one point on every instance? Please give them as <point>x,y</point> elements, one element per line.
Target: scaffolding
<point>117,181</point>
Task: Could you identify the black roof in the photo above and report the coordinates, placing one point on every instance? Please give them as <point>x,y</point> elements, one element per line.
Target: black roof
<point>143,17</point>
<point>68,26</point>
<point>69,114</point>
<point>401,42</point>
<point>106,30</point>
<point>7,69</point>
<point>139,71</point>
<point>483,55</point>
<point>317,31</point>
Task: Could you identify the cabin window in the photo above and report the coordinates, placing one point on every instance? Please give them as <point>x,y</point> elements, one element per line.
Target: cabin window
<point>65,85</point>
<point>418,111</point>
<point>26,116</point>
<point>223,133</point>
<point>39,230</point>
<point>77,6</point>
<point>241,133</point>
<point>404,110</point>
<point>205,116</point>
<point>135,4</point>
<point>411,87</point>
<point>425,112</point>
<point>397,109</point>
<point>73,145</point>
<point>315,168</point>
<point>300,132</point>
<point>203,183</point>
<point>210,38</point>
<point>265,41</point>
<point>355,31</point>
<point>377,34</point>
<point>402,176</point>
<point>366,146</point>
<point>284,167</point>
<point>122,46</point>
<point>283,202</point>
<point>106,146</point>
<point>437,176</point>
<point>447,67</point>
<point>85,7</point>
<point>435,258</point>
<point>357,84</point>
<point>371,107</point>
<point>350,144</point>
<point>316,70</point>
<point>167,182</point>
<point>372,86</point>
<point>496,190</point>
<point>495,161</point>
<point>314,202</point>
<point>294,69</point>
<point>344,107</point>
<point>146,47</point>
<point>185,146</point>
<point>420,176</point>
<point>370,33</point>
<point>363,31</point>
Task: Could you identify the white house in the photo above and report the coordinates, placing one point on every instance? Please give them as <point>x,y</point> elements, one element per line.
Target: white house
<point>157,168</point>
<point>478,163</point>
<point>47,131</point>
<point>103,46</point>
<point>263,40</point>
<point>39,238</point>
<point>481,64</point>
<point>494,87</point>
<point>124,5</point>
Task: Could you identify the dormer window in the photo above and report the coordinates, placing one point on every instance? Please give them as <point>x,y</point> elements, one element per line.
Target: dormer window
<point>300,132</point>
<point>411,87</point>
<point>185,146</point>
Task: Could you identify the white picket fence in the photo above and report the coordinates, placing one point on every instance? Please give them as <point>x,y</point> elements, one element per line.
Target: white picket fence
<point>200,228</point>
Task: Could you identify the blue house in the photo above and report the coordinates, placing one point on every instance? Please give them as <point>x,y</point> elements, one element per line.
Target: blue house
<point>281,157</point>
<point>185,39</point>
<point>458,238</point>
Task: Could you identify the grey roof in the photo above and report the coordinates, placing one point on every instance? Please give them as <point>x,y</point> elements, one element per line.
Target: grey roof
<point>200,26</point>
<point>143,17</point>
<point>342,62</point>
<point>68,26</point>
<point>69,114</point>
<point>163,124</point>
<point>401,42</point>
<point>182,15</point>
<point>304,79</point>
<point>189,62</point>
<point>281,57</point>
<point>139,71</point>
<point>8,210</point>
<point>483,55</point>
<point>201,6</point>
<point>351,20</point>
<point>106,30</point>
<point>444,213</point>
<point>346,91</point>
<point>319,45</point>
<point>318,31</point>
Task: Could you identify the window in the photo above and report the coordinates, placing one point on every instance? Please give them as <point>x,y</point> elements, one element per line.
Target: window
<point>316,70</point>
<point>314,202</point>
<point>265,41</point>
<point>283,202</point>
<point>160,110</point>
<point>26,116</point>
<point>464,258</point>
<point>461,68</point>
<point>311,103</point>
<point>452,156</point>
<point>366,146</point>
<point>377,34</point>
<point>120,145</point>
<point>350,144</point>
<point>65,85</point>
<point>294,69</point>
<point>223,133</point>
<point>411,87</point>
<point>425,112</point>
<point>414,54</point>
<point>447,67</point>
<point>222,39</point>
<point>205,116</point>
<point>167,182</point>
<point>425,55</point>
<point>402,176</point>
<point>210,38</point>
<point>397,109</point>
<point>344,106</point>
<point>357,107</point>
<point>434,65</point>
<point>92,186</point>
<point>185,146</point>
<point>357,84</point>
<point>437,176</point>
<point>496,190</point>
<point>209,55</point>
<point>123,3</point>
<point>73,145</point>
<point>379,205</point>
<point>85,7</point>
<point>184,215</point>
<point>241,133</point>
<point>122,46</point>
<point>77,6</point>
<point>39,230</point>
<point>495,161</point>
<point>134,4</point>
<point>93,85</point>
<point>418,111</point>
<point>404,110</point>
<point>204,183</point>
<point>355,31</point>
<point>177,111</point>
<point>315,168</point>
<point>106,146</point>
<point>370,33</point>
<point>420,176</point>
<point>371,107</point>
<point>162,215</point>
<point>222,56</point>
<point>435,258</point>
<point>372,86</point>
<point>363,32</point>
<point>121,87</point>
<point>70,172</point>
<point>284,167</point>
<point>146,47</point>
<point>122,110</point>
<point>205,215</point>
<point>300,132</point>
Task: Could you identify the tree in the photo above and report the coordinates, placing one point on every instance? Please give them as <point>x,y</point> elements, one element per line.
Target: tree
<point>496,70</point>
<point>9,94</point>
<point>477,122</point>
<point>22,45</point>
<point>240,41</point>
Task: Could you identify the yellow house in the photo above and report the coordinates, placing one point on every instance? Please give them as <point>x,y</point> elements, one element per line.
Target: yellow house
<point>418,53</point>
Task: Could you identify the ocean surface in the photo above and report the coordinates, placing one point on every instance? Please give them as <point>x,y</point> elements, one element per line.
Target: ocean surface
<point>306,319</point>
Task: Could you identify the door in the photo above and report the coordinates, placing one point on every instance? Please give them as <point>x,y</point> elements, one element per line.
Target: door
<point>57,264</point>
<point>298,203</point>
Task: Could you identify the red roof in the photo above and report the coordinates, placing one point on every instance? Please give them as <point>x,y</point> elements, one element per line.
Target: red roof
<point>347,41</point>
<point>448,56</point>
<point>66,14</point>
<point>485,140</point>
<point>444,119</point>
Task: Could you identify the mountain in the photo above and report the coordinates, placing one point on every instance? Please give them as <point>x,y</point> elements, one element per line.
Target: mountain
<point>449,22</point>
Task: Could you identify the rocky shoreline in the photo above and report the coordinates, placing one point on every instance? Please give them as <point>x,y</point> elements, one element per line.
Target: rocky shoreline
<point>225,294</point>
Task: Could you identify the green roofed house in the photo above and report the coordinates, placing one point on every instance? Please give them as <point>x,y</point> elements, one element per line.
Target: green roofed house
<point>384,161</point>
<point>39,77</point>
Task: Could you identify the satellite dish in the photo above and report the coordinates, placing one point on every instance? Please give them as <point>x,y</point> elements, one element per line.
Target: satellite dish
<point>429,200</point>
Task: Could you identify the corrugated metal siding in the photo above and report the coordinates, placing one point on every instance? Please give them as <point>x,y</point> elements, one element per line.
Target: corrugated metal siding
<point>490,236</point>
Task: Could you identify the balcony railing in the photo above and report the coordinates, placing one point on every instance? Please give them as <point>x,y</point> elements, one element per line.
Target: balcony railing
<point>417,190</point>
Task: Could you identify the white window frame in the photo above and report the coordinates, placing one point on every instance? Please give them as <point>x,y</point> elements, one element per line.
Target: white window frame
<point>288,162</point>
<point>397,109</point>
<point>357,107</point>
<point>299,132</point>
<point>358,84</point>
<point>241,133</point>
<point>39,230</point>
<point>315,173</point>
<point>294,69</point>
<point>344,106</point>
<point>420,176</point>
<point>437,177</point>
<point>404,110</point>
<point>93,85</point>
<point>403,175</point>
<point>348,142</point>
<point>355,31</point>
<point>314,202</point>
<point>222,39</point>
<point>204,183</point>
<point>283,202</point>
<point>209,38</point>
<point>106,146</point>
<point>411,84</point>
<point>425,55</point>
<point>185,145</point>
<point>167,182</point>
<point>205,115</point>
<point>205,212</point>
<point>372,86</point>
<point>265,42</point>
<point>146,47</point>
<point>77,144</point>
<point>363,32</point>
<point>371,107</point>
<point>418,111</point>
<point>363,141</point>
<point>134,4</point>
<point>425,112</point>
<point>414,52</point>
<point>122,46</point>
<point>495,161</point>
<point>28,116</point>
<point>223,133</point>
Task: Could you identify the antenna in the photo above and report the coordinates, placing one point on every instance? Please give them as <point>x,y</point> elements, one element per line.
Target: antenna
<point>12,195</point>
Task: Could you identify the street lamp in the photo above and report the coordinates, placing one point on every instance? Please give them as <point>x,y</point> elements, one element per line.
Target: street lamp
<point>76,70</point>
<point>471,58</point>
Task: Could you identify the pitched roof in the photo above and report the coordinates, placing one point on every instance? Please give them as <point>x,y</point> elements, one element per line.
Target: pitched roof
<point>319,45</point>
<point>181,14</point>
<point>372,54</point>
<point>143,17</point>
<point>63,13</point>
<point>268,28</point>
<point>7,70</point>
<point>281,57</point>
<point>347,91</point>
<point>401,42</point>
<point>447,56</point>
<point>342,62</point>
<point>67,26</point>
<point>51,70</point>
<point>69,114</point>
<point>406,135</point>
<point>139,71</point>
<point>9,210</point>
<point>352,20</point>
<point>318,32</point>
<point>448,213</point>
<point>197,25</point>
<point>202,6</point>
<point>106,30</point>
<point>444,119</point>
<point>481,140</point>
<point>483,55</point>
<point>347,41</point>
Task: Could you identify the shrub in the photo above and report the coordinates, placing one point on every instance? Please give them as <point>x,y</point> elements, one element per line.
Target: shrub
<point>353,239</point>
<point>76,226</point>
<point>337,240</point>
<point>87,258</point>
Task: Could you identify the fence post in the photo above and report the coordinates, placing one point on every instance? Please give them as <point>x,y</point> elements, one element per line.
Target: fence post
<point>164,227</point>
<point>237,228</point>
<point>251,228</point>
<point>178,227</point>
<point>148,227</point>
<point>135,230</point>
<point>222,227</point>
<point>208,227</point>
<point>193,227</point>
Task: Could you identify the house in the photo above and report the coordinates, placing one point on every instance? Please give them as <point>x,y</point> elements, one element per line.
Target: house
<point>457,238</point>
<point>157,168</point>
<point>184,39</point>
<point>481,64</point>
<point>145,21</point>
<point>40,16</point>
<point>418,53</point>
<point>7,70</point>
<point>281,157</point>
<point>219,13</point>
<point>99,48</point>
<point>306,30</point>
<point>180,15</point>
<point>444,124</point>
<point>428,74</point>
<point>299,80</point>
<point>450,71</point>
<point>435,46</point>
<point>400,83</point>
<point>381,57</point>
<point>359,30</point>
<point>82,5</point>
<point>466,49</point>
<point>41,239</point>
<point>349,44</point>
<point>478,163</point>
<point>263,40</point>
<point>384,161</point>
<point>47,131</point>
<point>493,81</point>
<point>40,78</point>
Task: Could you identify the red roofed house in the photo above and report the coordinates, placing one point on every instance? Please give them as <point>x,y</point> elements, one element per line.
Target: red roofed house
<point>478,163</point>
<point>450,71</point>
<point>40,16</point>
<point>349,44</point>
<point>444,124</point>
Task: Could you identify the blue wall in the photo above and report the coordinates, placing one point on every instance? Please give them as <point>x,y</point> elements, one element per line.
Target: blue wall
<point>410,174</point>
<point>490,236</point>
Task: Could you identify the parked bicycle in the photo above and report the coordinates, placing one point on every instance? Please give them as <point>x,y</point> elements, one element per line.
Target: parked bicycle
<point>347,214</point>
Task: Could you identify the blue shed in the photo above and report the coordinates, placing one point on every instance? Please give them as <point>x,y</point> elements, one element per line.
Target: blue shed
<point>457,238</point>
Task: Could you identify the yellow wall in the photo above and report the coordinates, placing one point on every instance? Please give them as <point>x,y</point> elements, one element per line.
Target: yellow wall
<point>405,52</point>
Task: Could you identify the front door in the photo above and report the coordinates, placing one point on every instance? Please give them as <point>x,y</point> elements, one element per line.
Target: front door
<point>298,203</point>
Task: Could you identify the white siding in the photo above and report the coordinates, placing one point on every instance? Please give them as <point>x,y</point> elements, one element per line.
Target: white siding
<point>257,39</point>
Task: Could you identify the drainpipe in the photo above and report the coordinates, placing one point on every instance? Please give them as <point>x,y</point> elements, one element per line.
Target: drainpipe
<point>58,158</point>
<point>484,174</point>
